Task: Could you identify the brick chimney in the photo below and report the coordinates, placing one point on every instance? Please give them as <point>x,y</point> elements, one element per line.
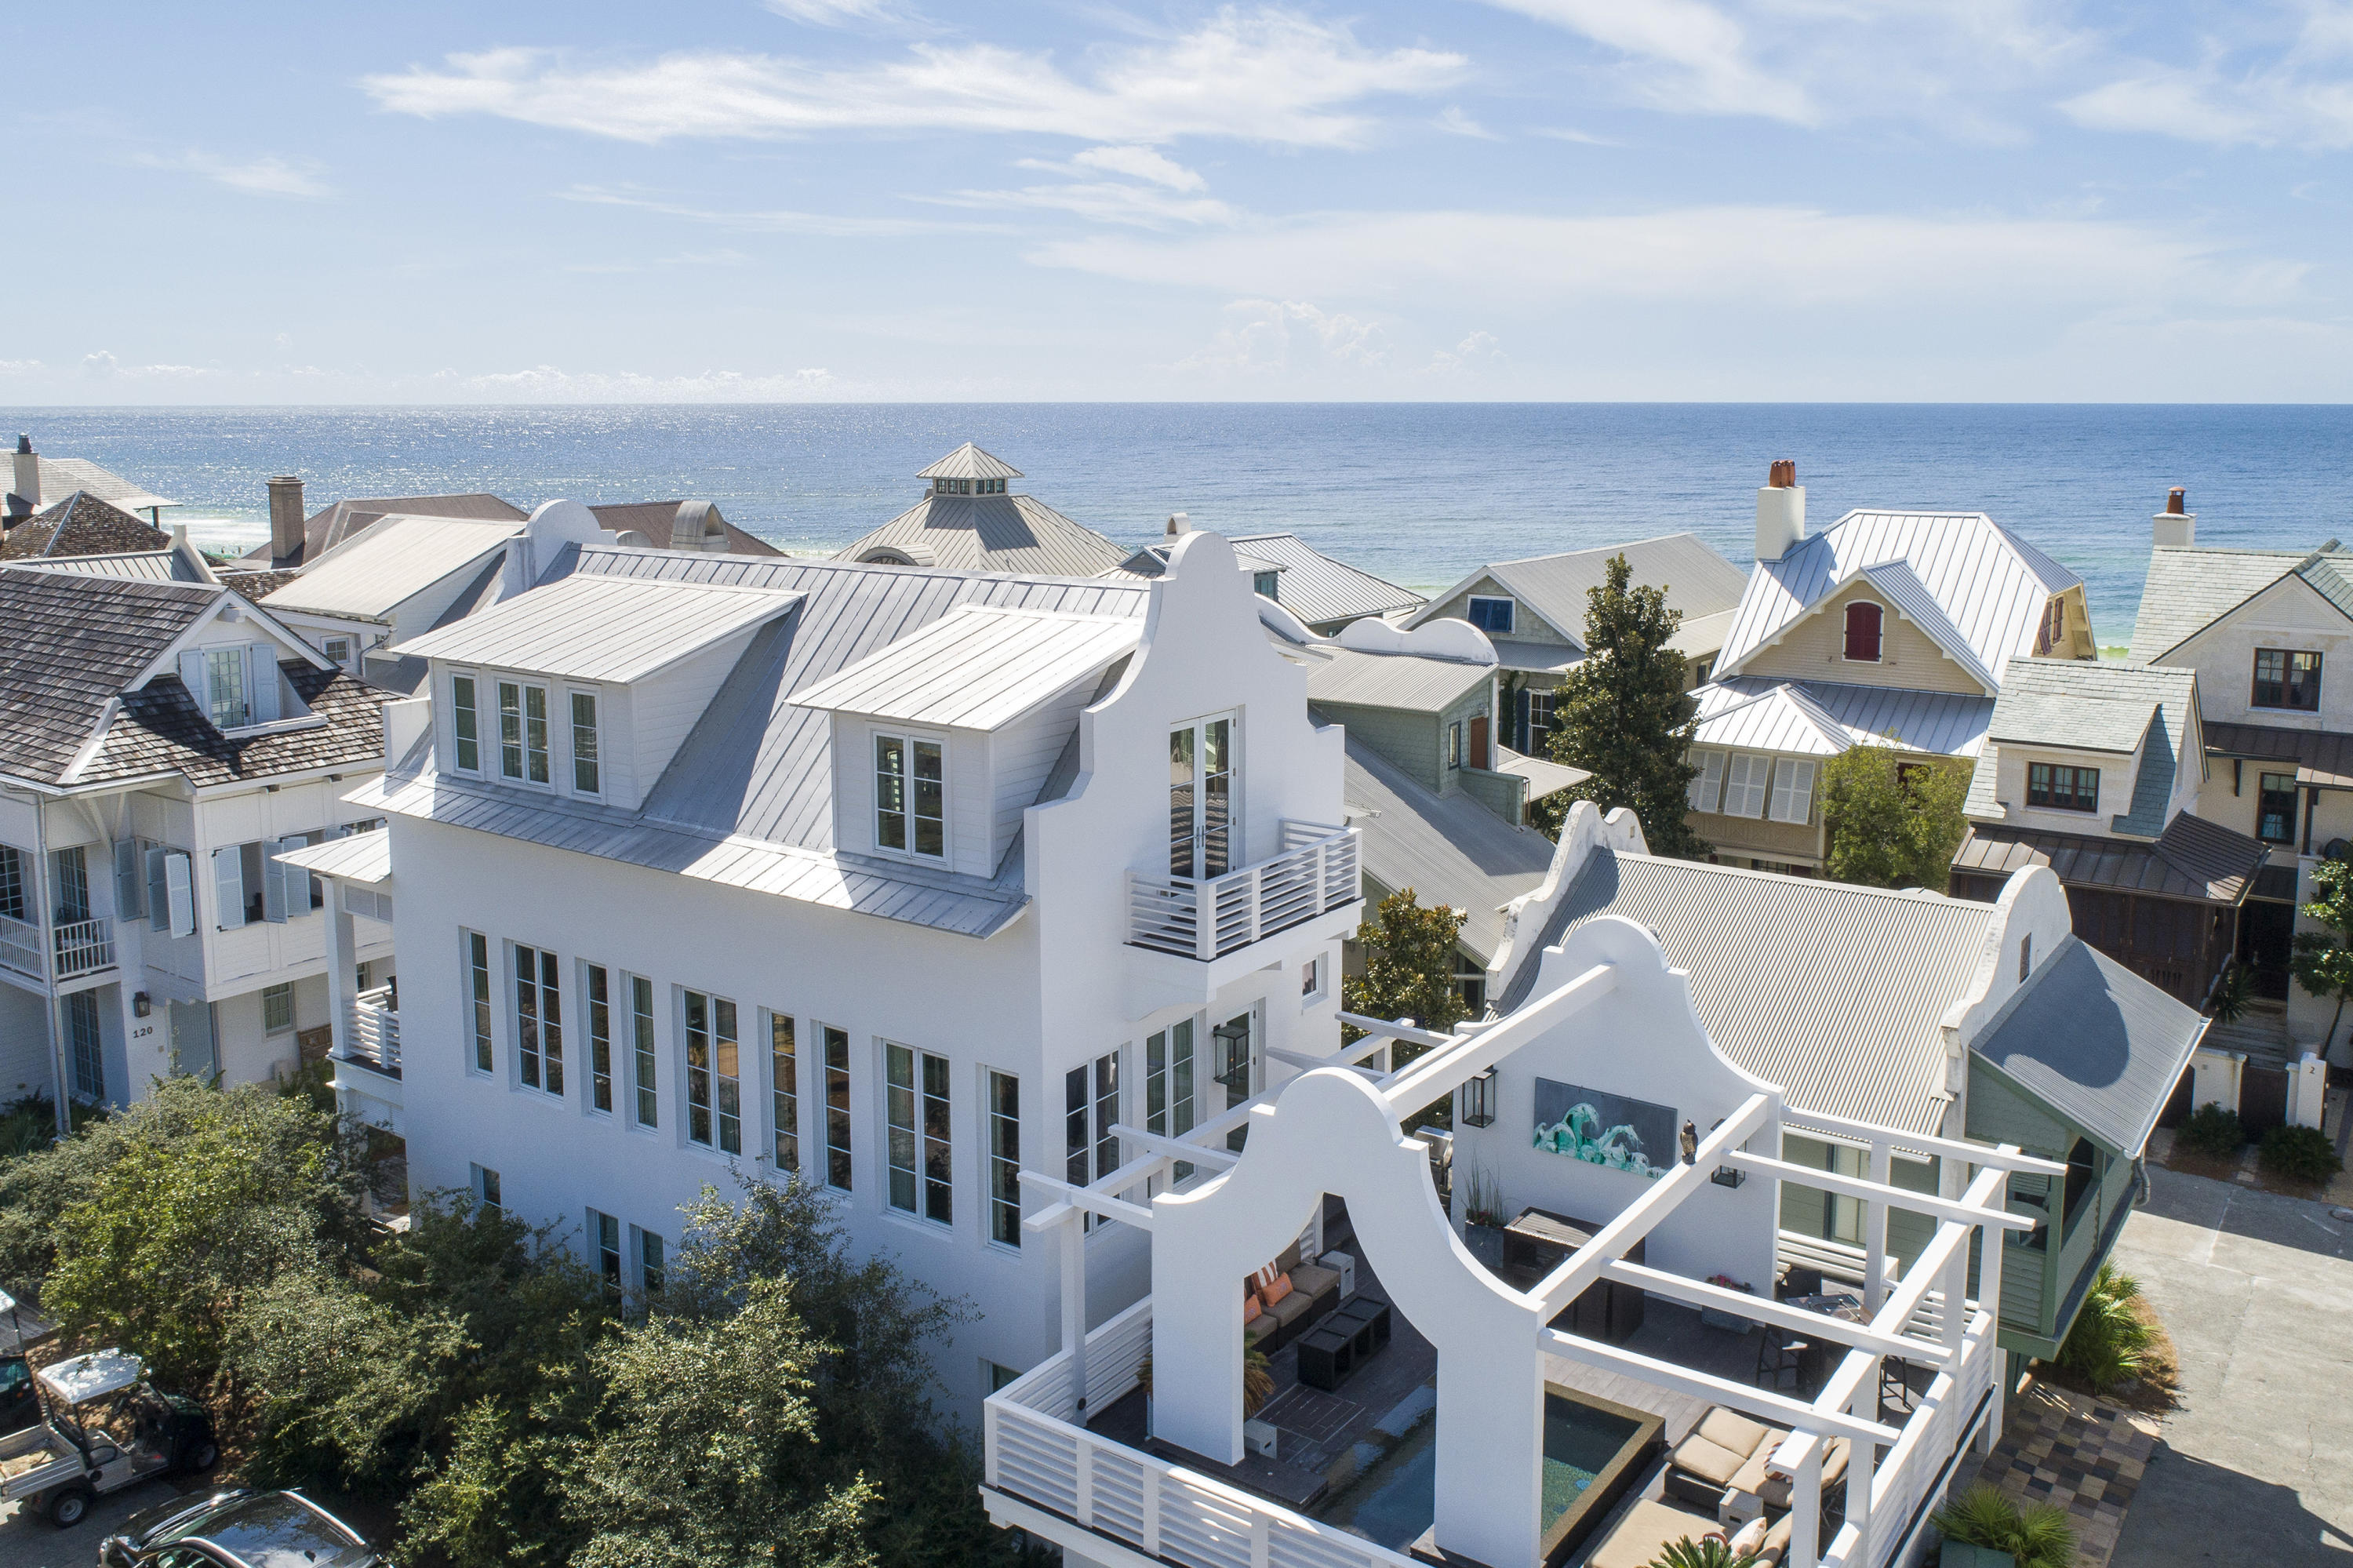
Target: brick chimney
<point>1780,510</point>
<point>285,520</point>
<point>2176,527</point>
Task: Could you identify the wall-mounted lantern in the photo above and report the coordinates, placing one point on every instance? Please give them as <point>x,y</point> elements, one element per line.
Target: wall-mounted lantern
<point>1478,1099</point>
<point>139,1005</point>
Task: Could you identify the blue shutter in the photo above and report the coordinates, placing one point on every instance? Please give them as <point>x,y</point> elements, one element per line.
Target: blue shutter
<point>180,891</point>
<point>130,881</point>
<point>262,678</point>
<point>273,884</point>
<point>228,887</point>
<point>192,676</point>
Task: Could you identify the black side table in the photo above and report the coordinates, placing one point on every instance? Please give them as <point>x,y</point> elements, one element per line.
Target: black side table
<point>1327,1356</point>
<point>1364,1319</point>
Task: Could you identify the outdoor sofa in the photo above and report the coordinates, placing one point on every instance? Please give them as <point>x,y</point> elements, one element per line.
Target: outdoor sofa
<point>1281,1302</point>
<point>1727,1452</point>
<point>1650,1527</point>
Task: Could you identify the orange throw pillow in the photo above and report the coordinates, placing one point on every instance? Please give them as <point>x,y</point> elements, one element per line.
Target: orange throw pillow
<point>1251,1310</point>
<point>1276,1290</point>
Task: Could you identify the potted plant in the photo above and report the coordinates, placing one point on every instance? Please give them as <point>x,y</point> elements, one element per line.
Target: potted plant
<point>1482,1218</point>
<point>1707,1552</point>
<point>1258,1381</point>
<point>1985,1529</point>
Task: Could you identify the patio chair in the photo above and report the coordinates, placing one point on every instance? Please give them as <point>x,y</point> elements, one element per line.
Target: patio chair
<point>1782,1353</point>
<point>1706,1464</point>
<point>1797,1279</point>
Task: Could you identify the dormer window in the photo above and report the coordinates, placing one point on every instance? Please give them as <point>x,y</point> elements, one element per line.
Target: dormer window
<point>911,796</point>
<point>226,702</point>
<point>967,487</point>
<point>522,732</point>
<point>1864,624</point>
<point>1491,615</point>
<point>466,716</point>
<point>238,686</point>
<point>2285,679</point>
<point>1265,584</point>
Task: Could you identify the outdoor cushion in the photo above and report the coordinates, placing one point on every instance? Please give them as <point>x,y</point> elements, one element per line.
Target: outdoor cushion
<point>1648,1529</point>
<point>1775,1549</point>
<point>1730,1429</point>
<point>1251,1308</point>
<point>1751,1476</point>
<point>1712,1462</point>
<point>1310,1279</point>
<point>1292,1308</point>
<point>1750,1538</point>
<point>1264,1277</point>
<point>1777,1490</point>
<point>1275,1290</point>
<point>1260,1328</point>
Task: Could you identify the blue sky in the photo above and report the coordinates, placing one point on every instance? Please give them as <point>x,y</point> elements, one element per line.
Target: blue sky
<point>849,199</point>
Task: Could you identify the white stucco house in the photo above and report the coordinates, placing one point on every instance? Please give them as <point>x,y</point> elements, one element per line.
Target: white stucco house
<point>908,880</point>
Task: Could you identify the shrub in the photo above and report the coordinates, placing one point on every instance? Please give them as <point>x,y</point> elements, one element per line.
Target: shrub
<point>2234,995</point>
<point>2039,1537</point>
<point>2109,1341</point>
<point>1707,1552</point>
<point>2300,1154</point>
<point>2212,1130</point>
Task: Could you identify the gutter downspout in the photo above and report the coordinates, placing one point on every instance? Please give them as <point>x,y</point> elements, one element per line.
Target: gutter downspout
<point>41,872</point>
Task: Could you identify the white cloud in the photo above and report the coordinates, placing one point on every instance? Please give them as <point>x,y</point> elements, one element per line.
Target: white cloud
<point>2301,96</point>
<point>21,366</point>
<point>1769,255</point>
<point>1455,121</point>
<point>1701,57</point>
<point>772,221</point>
<point>552,384</point>
<point>1567,133</point>
<point>1142,206</point>
<point>105,365</point>
<point>255,176</point>
<point>840,13</point>
<point>1465,359</point>
<point>1272,338</point>
<point>1140,164</point>
<point>1268,74</point>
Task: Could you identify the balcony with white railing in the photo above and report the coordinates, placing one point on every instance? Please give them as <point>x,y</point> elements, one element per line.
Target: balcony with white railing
<point>1221,921</point>
<point>20,948</point>
<point>84,947</point>
<point>373,1037</point>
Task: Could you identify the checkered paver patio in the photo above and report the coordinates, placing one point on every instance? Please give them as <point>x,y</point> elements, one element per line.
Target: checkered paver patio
<point>2085,1455</point>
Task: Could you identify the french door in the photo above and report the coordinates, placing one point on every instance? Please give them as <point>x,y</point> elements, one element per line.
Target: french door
<point>1201,798</point>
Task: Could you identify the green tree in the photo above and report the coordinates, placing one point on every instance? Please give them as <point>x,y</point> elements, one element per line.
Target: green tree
<point>1623,715</point>
<point>154,1227</point>
<point>1407,950</point>
<point>1893,819</point>
<point>2322,960</point>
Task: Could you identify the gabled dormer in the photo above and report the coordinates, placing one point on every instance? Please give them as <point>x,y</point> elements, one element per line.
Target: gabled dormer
<point>583,688</point>
<point>231,662</point>
<point>2084,747</point>
<point>943,739</point>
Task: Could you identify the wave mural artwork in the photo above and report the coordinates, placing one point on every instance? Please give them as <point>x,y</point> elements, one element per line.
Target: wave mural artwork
<point>1602,1128</point>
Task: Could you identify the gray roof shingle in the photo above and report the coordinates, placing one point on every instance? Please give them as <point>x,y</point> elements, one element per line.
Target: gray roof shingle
<point>82,525</point>
<point>2190,589</point>
<point>2083,704</point>
<point>161,729</point>
<point>69,643</point>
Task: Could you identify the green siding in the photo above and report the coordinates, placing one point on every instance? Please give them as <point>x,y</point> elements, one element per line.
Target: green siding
<point>1501,793</point>
<point>1471,705</point>
<point>1413,742</point>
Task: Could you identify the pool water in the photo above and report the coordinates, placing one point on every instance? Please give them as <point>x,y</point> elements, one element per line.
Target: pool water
<point>1395,1500</point>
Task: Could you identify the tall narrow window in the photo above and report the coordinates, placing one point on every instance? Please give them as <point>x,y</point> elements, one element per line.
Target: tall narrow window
<point>510,729</point>
<point>1090,1107</point>
<point>784,1092</point>
<point>486,1187</point>
<point>73,884</point>
<point>1201,798</point>
<point>1004,1159</point>
<point>467,719</point>
<point>81,1036</point>
<point>1168,1102</point>
<point>2275,808</point>
<point>909,796</point>
<point>225,688</point>
<point>641,1035</point>
<point>277,1007</point>
<point>605,1238</point>
<point>584,743</point>
<point>1863,620</point>
<point>653,1269</point>
<point>715,1088</point>
<point>534,734</point>
<point>837,1108</point>
<point>478,975</point>
<point>915,1096</point>
<point>600,1039</point>
<point>539,1019</point>
<point>12,882</point>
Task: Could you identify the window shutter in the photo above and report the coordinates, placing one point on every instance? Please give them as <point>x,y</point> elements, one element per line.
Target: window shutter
<point>130,881</point>
<point>180,891</point>
<point>1708,787</point>
<point>1793,791</point>
<point>298,882</point>
<point>229,886</point>
<point>1744,793</point>
<point>159,895</point>
<point>261,679</point>
<point>1520,721</point>
<point>273,884</point>
<point>192,676</point>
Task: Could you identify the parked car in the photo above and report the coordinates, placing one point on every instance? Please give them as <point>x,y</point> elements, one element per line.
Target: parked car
<point>102,1427</point>
<point>237,1529</point>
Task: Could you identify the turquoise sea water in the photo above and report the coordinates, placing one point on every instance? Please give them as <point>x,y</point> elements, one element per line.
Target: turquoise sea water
<point>1415,492</point>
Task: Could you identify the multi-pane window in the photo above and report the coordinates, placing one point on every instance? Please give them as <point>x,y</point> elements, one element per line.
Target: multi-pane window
<point>522,732</point>
<point>1454,743</point>
<point>915,1105</point>
<point>73,883</point>
<point>604,1239</point>
<point>225,688</point>
<point>584,771</point>
<point>641,1035</point>
<point>81,1037</point>
<point>277,1009</point>
<point>911,796</point>
<point>1706,787</point>
<point>465,711</point>
<point>486,1187</point>
<point>1491,615</point>
<point>1539,722</point>
<point>539,1019</point>
<point>837,1106</point>
<point>1004,1159</point>
<point>2061,787</point>
<point>12,882</point>
<point>600,1038</point>
<point>714,1084</point>
<point>1793,791</point>
<point>1090,1107</point>
<point>1168,1099</point>
<point>653,1269</point>
<point>478,976</point>
<point>1744,781</point>
<point>2275,808</point>
<point>2285,679</point>
<point>784,1092</point>
<point>1201,798</point>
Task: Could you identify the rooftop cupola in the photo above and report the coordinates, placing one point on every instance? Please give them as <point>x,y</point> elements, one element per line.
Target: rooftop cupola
<point>2176,527</point>
<point>1780,510</point>
<point>968,470</point>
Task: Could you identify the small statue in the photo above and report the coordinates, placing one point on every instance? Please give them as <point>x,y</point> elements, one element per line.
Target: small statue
<point>1689,1142</point>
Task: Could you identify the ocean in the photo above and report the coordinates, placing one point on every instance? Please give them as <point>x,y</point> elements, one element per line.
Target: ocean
<point>1417,493</point>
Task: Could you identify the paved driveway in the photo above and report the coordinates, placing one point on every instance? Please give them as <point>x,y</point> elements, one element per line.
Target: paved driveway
<point>30,1540</point>
<point>2257,1465</point>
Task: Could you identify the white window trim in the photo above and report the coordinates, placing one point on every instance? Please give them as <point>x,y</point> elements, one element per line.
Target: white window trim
<point>1884,614</point>
<point>1510,612</point>
<point>596,695</point>
<point>985,1145</point>
<point>1757,787</point>
<point>686,1138</point>
<point>908,738</point>
<point>1322,964</point>
<point>479,770</point>
<point>1705,792</point>
<point>915,1215</point>
<point>548,694</point>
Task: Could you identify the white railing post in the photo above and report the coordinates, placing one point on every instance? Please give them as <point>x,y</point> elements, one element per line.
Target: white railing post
<point>1074,1311</point>
<point>1861,1456</point>
<point>1874,1233</point>
<point>1805,1503</point>
<point>1259,1526</point>
<point>1205,919</point>
<point>988,1443</point>
<point>1083,1450</point>
<point>1151,1510</point>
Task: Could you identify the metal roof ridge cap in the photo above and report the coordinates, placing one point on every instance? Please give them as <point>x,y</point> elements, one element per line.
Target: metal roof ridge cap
<point>1919,897</point>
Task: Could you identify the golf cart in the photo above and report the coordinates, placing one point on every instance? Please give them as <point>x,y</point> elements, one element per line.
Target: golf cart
<point>104,1428</point>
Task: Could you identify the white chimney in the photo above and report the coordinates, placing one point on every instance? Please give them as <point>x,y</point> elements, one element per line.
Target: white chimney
<point>1780,510</point>
<point>27,483</point>
<point>1179,525</point>
<point>2174,528</point>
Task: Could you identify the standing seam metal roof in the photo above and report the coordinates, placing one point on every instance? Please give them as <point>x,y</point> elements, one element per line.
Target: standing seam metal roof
<point>978,667</point>
<point>1836,993</point>
<point>587,627</point>
<point>1952,724</point>
<point>969,461</point>
<point>1990,584</point>
<point>1318,589</point>
<point>993,533</point>
<point>1405,681</point>
<point>372,573</point>
<point>1698,579</point>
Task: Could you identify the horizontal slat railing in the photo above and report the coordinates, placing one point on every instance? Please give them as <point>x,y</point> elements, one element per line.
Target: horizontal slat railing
<point>85,947</point>
<point>374,1033</point>
<point>1161,1509</point>
<point>1205,918</point>
<point>20,948</point>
